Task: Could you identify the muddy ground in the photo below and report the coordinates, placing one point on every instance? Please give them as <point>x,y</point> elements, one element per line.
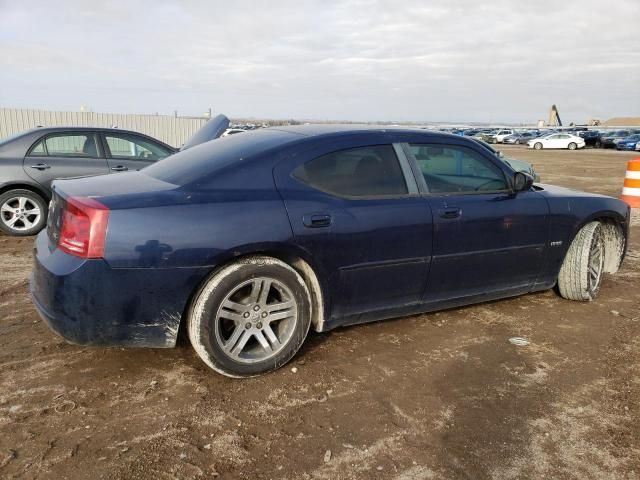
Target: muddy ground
<point>443,395</point>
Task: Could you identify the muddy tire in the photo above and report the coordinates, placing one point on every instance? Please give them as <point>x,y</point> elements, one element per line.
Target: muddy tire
<point>583,267</point>
<point>250,317</point>
<point>22,212</point>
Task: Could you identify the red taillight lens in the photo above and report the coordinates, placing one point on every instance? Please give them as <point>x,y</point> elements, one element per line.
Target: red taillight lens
<point>84,228</point>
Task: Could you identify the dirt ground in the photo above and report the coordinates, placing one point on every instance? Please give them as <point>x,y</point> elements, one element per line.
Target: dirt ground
<point>437,396</point>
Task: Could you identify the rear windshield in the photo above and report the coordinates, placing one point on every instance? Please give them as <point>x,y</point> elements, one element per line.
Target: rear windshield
<point>202,160</point>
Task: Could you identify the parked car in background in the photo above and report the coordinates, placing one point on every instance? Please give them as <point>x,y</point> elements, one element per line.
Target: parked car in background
<point>31,160</point>
<point>232,131</point>
<point>610,139</point>
<point>517,165</point>
<point>484,135</point>
<point>591,137</point>
<point>628,143</point>
<point>253,239</point>
<point>519,138</point>
<point>500,135</point>
<point>557,140</point>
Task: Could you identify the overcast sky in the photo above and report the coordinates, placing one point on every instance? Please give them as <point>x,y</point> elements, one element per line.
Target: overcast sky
<point>495,61</point>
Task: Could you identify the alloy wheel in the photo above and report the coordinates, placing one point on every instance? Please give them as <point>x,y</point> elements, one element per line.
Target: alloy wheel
<point>596,262</point>
<point>256,320</point>
<point>20,213</point>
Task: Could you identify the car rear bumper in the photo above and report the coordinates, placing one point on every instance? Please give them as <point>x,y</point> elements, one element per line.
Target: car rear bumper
<point>87,302</point>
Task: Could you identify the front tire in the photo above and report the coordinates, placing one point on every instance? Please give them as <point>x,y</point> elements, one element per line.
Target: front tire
<point>581,273</point>
<point>250,317</point>
<point>22,212</point>
<point>537,146</point>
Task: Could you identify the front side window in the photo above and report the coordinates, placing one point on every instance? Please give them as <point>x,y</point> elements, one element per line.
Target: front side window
<point>127,147</point>
<point>82,145</point>
<point>456,169</point>
<point>357,172</point>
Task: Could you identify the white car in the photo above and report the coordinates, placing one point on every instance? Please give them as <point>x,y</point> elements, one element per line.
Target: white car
<point>557,140</point>
<point>232,131</point>
<point>499,136</point>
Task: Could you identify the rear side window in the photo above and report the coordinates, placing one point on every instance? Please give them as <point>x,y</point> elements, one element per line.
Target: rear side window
<point>128,147</point>
<point>357,172</point>
<point>456,169</point>
<point>38,150</point>
<point>82,145</point>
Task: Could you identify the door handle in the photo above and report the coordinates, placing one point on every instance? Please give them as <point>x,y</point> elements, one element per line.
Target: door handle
<point>119,168</point>
<point>41,166</point>
<point>316,220</point>
<point>451,212</point>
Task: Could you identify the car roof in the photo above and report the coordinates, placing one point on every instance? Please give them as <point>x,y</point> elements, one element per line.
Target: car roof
<point>315,130</point>
<point>79,129</point>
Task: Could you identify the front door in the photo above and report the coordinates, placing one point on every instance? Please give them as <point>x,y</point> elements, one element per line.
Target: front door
<point>358,214</point>
<point>63,155</point>
<point>486,238</point>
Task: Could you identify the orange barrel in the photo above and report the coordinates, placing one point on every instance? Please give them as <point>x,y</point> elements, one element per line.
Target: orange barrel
<point>631,188</point>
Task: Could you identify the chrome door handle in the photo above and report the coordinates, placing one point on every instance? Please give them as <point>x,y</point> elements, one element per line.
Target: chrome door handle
<point>119,168</point>
<point>41,166</point>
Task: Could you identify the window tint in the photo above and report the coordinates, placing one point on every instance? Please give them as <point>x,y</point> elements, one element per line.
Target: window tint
<point>456,169</point>
<point>358,172</point>
<point>76,145</point>
<point>38,150</point>
<point>129,147</point>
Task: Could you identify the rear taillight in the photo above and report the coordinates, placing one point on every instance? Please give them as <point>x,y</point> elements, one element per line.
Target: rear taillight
<point>84,227</point>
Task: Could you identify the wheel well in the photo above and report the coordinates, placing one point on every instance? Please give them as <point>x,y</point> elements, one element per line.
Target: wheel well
<point>614,243</point>
<point>297,263</point>
<point>21,186</point>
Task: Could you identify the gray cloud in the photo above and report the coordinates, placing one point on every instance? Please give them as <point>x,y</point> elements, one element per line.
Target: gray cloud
<point>359,60</point>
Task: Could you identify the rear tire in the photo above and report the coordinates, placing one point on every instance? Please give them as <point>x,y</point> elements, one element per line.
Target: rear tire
<point>581,273</point>
<point>572,146</point>
<point>537,146</point>
<point>250,317</point>
<point>22,213</point>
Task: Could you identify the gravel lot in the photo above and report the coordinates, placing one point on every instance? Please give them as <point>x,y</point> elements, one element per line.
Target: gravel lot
<point>442,395</point>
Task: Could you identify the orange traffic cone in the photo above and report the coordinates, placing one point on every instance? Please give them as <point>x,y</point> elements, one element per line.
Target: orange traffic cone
<point>631,188</point>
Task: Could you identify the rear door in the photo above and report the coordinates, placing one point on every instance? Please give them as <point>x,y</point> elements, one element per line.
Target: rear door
<point>63,155</point>
<point>357,212</point>
<point>126,151</point>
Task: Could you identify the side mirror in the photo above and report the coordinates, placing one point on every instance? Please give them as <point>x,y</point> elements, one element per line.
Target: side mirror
<point>522,181</point>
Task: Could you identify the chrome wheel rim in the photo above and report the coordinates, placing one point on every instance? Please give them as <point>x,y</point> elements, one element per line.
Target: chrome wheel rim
<point>596,263</point>
<point>256,320</point>
<point>20,213</point>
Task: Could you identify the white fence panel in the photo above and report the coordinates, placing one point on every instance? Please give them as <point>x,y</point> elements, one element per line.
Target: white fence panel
<point>172,130</point>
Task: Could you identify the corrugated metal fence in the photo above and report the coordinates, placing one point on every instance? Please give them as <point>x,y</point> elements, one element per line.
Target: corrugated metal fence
<point>172,130</point>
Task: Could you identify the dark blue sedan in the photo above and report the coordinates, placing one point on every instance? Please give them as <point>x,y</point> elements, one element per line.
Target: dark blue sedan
<point>628,143</point>
<point>250,240</point>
